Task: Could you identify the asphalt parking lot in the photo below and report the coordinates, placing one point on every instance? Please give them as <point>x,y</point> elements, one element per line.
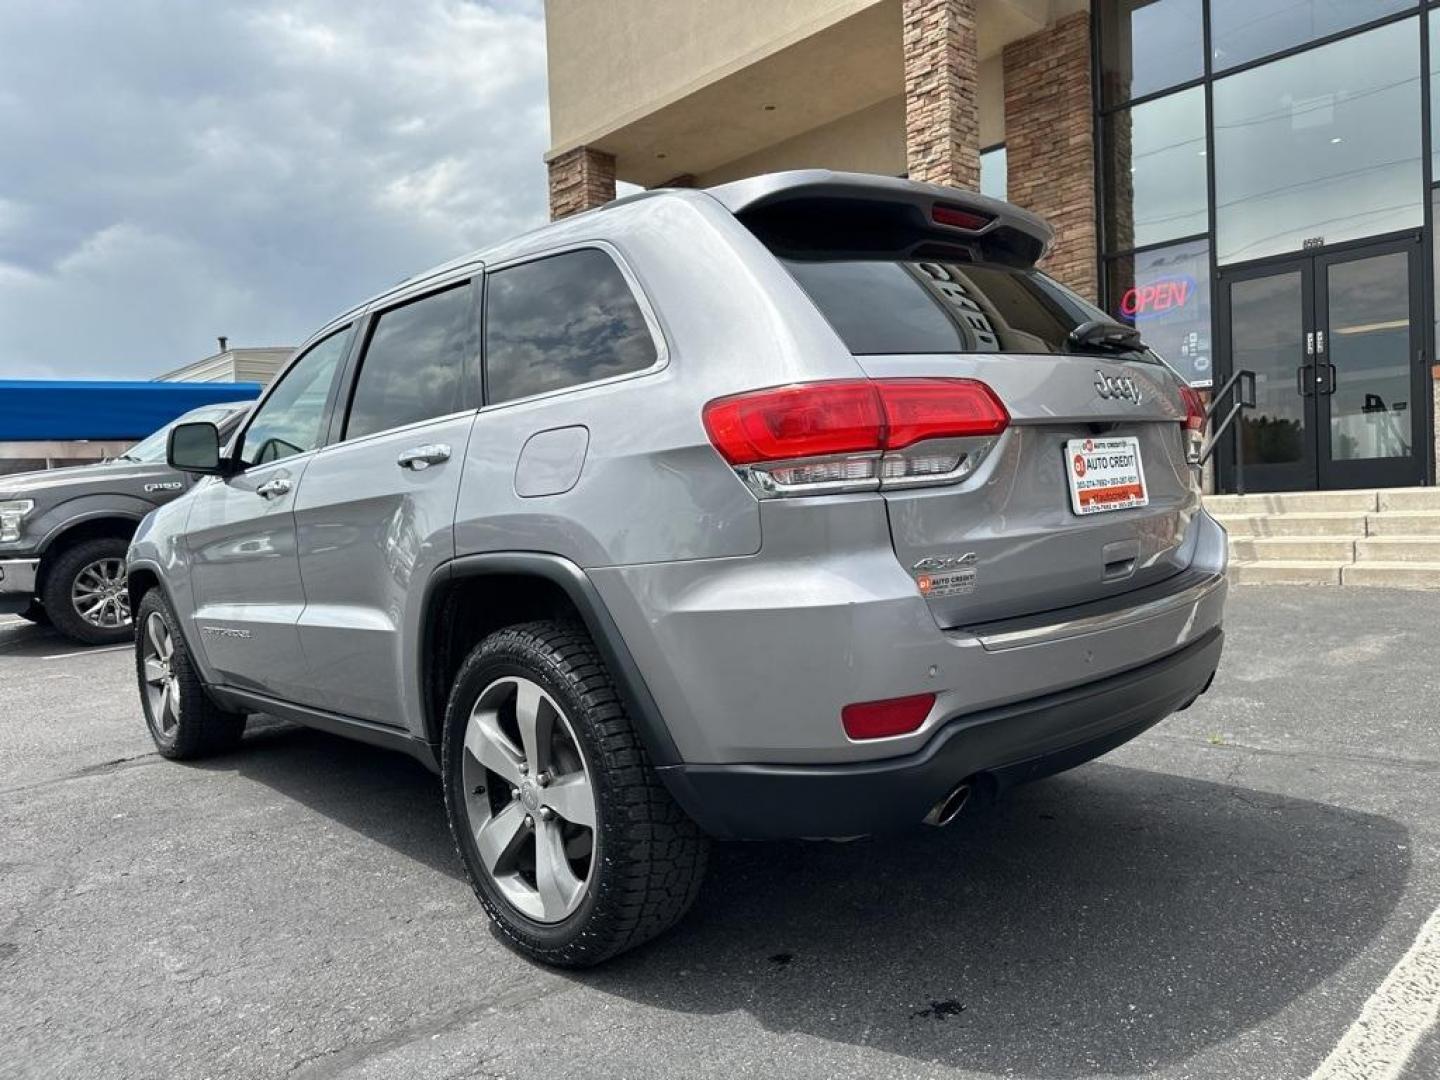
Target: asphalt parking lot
<point>1226,897</point>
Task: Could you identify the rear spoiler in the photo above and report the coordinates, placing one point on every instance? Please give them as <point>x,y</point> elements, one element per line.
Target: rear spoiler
<point>816,213</point>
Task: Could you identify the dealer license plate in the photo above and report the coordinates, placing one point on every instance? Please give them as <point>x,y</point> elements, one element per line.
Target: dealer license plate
<point>1105,474</point>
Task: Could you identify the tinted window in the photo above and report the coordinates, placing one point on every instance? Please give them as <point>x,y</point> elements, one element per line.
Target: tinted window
<point>1147,45</point>
<point>561,321</point>
<point>1155,171</point>
<point>1320,147</point>
<point>1165,293</point>
<point>1242,30</point>
<point>903,307</point>
<point>994,174</point>
<point>414,366</point>
<point>289,420</point>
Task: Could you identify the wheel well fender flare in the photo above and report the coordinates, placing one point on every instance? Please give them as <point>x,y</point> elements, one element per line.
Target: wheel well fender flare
<point>87,526</point>
<point>585,598</point>
<point>143,570</point>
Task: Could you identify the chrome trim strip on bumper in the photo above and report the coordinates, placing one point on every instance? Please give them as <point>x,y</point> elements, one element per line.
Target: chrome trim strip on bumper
<point>1091,624</point>
<point>18,575</point>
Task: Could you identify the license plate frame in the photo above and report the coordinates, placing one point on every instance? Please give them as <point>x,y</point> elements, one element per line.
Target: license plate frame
<point>1105,475</point>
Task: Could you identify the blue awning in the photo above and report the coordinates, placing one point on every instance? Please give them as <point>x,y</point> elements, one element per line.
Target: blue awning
<point>32,410</point>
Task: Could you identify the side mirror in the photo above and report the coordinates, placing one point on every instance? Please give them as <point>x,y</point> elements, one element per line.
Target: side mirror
<point>194,447</point>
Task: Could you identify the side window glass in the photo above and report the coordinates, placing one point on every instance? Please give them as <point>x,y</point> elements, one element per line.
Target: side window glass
<point>561,321</point>
<point>414,366</point>
<point>289,421</point>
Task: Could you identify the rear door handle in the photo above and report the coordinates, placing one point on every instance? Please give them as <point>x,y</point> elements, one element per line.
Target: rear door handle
<point>422,457</point>
<point>273,488</point>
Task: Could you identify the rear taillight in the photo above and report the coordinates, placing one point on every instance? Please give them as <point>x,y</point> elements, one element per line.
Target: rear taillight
<point>1194,423</point>
<point>856,434</point>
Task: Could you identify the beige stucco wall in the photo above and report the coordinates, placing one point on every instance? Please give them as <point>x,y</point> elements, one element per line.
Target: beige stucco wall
<point>871,140</point>
<point>611,60</point>
<point>672,87</point>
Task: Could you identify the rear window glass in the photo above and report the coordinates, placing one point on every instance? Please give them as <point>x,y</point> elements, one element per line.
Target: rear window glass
<point>561,321</point>
<point>880,306</point>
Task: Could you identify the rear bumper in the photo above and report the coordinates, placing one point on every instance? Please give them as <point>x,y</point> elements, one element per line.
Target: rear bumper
<point>752,660</point>
<point>17,584</point>
<point>1008,745</point>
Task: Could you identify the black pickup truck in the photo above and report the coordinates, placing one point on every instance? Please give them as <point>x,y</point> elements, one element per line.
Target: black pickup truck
<point>64,533</point>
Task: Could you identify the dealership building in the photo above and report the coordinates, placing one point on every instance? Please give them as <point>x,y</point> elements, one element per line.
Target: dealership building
<point>1249,182</point>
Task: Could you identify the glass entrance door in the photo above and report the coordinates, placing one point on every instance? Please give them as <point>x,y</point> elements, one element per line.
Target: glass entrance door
<point>1334,342</point>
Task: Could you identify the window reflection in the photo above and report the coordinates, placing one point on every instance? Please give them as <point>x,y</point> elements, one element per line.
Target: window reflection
<point>1267,337</point>
<point>414,365</point>
<point>1155,171</point>
<point>1320,147</point>
<point>288,422</point>
<point>561,321</point>
<point>994,178</point>
<point>1165,292</point>
<point>1149,45</point>
<point>1369,306</point>
<point>1242,30</point>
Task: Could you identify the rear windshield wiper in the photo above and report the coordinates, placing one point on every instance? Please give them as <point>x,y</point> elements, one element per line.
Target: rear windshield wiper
<point>1106,336</point>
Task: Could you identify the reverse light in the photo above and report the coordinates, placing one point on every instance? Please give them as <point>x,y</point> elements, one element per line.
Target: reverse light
<point>1194,423</point>
<point>11,515</point>
<point>881,719</point>
<point>856,434</point>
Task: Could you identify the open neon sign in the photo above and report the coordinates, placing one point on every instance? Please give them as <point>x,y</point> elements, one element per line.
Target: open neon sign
<point>1159,297</point>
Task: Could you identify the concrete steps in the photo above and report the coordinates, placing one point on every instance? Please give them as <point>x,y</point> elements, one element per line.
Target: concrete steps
<point>1385,537</point>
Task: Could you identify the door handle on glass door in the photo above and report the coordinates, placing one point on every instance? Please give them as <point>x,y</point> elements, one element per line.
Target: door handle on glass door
<point>271,488</point>
<point>422,457</point>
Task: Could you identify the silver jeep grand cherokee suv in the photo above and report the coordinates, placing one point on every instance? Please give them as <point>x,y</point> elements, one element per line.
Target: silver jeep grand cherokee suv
<point>798,507</point>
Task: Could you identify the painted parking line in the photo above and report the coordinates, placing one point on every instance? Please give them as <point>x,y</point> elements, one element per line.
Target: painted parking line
<point>87,652</point>
<point>1395,1019</point>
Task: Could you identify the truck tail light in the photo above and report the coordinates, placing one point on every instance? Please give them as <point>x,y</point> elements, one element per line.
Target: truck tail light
<point>880,719</point>
<point>856,434</point>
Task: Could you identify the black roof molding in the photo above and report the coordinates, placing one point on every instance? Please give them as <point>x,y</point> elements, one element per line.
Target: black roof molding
<point>818,213</point>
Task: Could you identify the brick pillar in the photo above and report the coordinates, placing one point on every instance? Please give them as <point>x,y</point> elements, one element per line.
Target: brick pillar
<point>580,179</point>
<point>1435,390</point>
<point>942,116</point>
<point>1049,117</point>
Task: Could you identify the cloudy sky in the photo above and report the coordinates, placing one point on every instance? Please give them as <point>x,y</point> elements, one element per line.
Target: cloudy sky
<point>171,170</point>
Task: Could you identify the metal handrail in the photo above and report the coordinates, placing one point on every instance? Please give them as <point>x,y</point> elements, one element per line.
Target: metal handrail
<point>1245,399</point>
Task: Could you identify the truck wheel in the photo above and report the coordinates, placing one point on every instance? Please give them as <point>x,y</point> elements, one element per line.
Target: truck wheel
<point>85,595</point>
<point>184,722</point>
<point>570,840</point>
<point>36,613</point>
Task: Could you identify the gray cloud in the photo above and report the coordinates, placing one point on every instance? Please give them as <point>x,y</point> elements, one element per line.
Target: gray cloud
<point>174,170</point>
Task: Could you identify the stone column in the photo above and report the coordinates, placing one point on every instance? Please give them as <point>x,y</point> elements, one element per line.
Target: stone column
<point>942,116</point>
<point>1049,139</point>
<point>580,179</point>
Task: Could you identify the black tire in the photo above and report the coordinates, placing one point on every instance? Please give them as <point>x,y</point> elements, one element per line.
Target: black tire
<point>647,859</point>
<point>60,578</point>
<point>197,727</point>
<point>36,614</point>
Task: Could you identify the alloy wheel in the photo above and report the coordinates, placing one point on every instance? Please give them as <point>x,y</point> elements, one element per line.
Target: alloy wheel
<point>529,799</point>
<point>162,686</point>
<point>98,594</point>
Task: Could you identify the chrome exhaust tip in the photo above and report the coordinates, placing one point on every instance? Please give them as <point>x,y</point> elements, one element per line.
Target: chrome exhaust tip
<point>948,808</point>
